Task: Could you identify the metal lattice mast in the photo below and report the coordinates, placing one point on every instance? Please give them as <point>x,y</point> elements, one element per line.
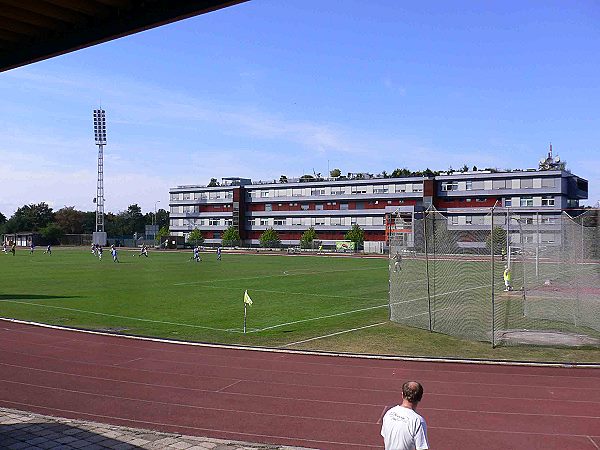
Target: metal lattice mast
<point>100,138</point>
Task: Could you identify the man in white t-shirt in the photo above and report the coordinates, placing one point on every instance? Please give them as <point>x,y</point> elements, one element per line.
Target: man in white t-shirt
<point>403,428</point>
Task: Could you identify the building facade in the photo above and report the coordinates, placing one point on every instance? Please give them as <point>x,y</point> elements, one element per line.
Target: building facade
<point>332,206</point>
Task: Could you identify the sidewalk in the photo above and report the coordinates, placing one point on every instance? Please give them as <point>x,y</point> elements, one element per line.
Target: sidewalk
<point>24,430</point>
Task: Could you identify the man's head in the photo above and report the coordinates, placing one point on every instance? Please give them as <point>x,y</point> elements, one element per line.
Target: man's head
<point>412,392</point>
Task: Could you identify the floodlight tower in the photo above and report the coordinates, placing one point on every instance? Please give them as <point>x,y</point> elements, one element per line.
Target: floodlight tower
<point>99,236</point>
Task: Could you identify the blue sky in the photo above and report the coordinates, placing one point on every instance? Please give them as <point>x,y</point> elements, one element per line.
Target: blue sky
<point>273,87</point>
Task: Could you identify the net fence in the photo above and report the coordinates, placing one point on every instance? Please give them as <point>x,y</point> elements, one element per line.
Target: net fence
<point>498,276</point>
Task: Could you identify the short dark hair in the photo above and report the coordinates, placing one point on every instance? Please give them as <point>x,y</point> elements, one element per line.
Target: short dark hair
<point>412,391</point>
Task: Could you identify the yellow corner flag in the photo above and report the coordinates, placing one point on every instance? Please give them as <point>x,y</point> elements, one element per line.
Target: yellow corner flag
<point>247,299</point>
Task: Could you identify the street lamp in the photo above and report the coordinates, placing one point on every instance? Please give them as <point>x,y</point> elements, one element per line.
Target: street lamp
<point>155,222</point>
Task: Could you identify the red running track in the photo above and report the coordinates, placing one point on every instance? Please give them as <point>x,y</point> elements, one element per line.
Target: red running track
<point>318,401</point>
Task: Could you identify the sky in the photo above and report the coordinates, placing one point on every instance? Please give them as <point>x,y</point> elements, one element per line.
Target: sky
<point>270,87</point>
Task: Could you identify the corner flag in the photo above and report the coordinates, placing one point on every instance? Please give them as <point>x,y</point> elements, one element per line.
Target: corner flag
<point>247,299</point>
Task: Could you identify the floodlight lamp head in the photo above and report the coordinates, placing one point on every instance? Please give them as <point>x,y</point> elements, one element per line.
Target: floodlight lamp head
<point>100,126</point>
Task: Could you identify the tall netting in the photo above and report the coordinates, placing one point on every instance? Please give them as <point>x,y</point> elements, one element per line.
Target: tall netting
<point>562,288</point>
<point>498,277</point>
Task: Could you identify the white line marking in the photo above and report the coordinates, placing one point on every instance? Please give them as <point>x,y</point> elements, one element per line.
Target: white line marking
<point>229,280</point>
<point>120,317</point>
<point>333,334</point>
<point>490,362</point>
<point>593,442</point>
<point>135,423</point>
<point>228,386</point>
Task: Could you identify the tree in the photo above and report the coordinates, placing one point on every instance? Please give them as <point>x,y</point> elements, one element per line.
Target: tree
<point>400,173</point>
<point>305,178</point>
<point>308,237</point>
<point>195,237</point>
<point>30,218</point>
<point>162,233</point>
<point>474,168</point>
<point>335,173</point>
<point>231,237</point>
<point>465,168</point>
<point>51,233</point>
<point>89,222</point>
<point>428,173</point>
<point>213,182</point>
<point>270,238</point>
<point>162,218</point>
<point>70,220</point>
<point>498,237</point>
<point>356,235</point>
<point>283,179</point>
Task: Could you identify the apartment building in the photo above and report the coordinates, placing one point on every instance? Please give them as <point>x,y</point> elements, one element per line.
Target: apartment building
<point>333,206</point>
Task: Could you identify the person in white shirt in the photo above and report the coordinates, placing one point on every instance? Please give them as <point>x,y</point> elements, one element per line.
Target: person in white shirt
<point>402,427</point>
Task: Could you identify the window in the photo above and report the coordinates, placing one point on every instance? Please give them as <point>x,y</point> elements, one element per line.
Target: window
<point>499,184</point>
<point>187,196</point>
<point>268,207</point>
<point>480,200</point>
<point>251,222</point>
<point>318,192</point>
<point>454,220</point>
<point>547,200</point>
<point>527,220</point>
<point>526,183</point>
<point>572,203</point>
<point>213,222</point>
<point>468,220</point>
<point>377,220</point>
<point>359,190</point>
<point>380,190</point>
<point>526,201</point>
<point>527,238</point>
<point>449,186</point>
<point>264,222</point>
<point>216,235</point>
<point>319,206</point>
<point>418,187</point>
<point>319,221</point>
<point>469,185</point>
<point>296,221</point>
<point>337,191</point>
<point>547,182</point>
<point>478,185</point>
<point>296,192</point>
<point>336,221</point>
<point>343,205</point>
<point>304,207</point>
<point>507,202</point>
<point>360,205</point>
<point>264,194</point>
<point>200,196</point>
<point>547,220</point>
<point>279,222</point>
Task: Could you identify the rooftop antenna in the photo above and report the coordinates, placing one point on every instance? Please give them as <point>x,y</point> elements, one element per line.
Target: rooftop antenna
<point>99,236</point>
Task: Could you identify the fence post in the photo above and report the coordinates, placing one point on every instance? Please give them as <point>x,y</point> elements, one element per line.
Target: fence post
<point>492,278</point>
<point>425,218</point>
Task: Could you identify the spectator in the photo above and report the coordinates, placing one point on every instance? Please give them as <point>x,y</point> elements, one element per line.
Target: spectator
<point>403,428</point>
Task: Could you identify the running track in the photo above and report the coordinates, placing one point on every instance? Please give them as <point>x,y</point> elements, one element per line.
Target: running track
<point>326,402</point>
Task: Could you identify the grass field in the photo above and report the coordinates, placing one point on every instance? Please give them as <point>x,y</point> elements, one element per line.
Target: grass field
<point>308,302</point>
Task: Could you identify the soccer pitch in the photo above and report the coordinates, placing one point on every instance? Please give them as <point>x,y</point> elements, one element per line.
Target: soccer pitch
<point>167,295</point>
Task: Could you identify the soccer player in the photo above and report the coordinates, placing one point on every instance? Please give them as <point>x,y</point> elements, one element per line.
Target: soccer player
<point>94,249</point>
<point>31,248</point>
<point>144,251</point>
<point>507,278</point>
<point>99,252</point>
<point>219,253</point>
<point>48,250</point>
<point>397,262</point>
<point>113,251</point>
<point>13,248</point>
<point>4,248</point>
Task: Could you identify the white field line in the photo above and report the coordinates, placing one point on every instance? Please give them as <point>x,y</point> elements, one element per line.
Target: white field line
<point>284,274</point>
<point>293,293</point>
<point>121,317</point>
<point>333,334</point>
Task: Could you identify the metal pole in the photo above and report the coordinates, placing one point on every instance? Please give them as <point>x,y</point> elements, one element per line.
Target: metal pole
<point>245,318</point>
<point>537,248</point>
<point>492,278</point>
<point>425,218</point>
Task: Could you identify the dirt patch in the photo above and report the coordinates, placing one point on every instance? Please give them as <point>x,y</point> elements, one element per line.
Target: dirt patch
<point>540,337</point>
